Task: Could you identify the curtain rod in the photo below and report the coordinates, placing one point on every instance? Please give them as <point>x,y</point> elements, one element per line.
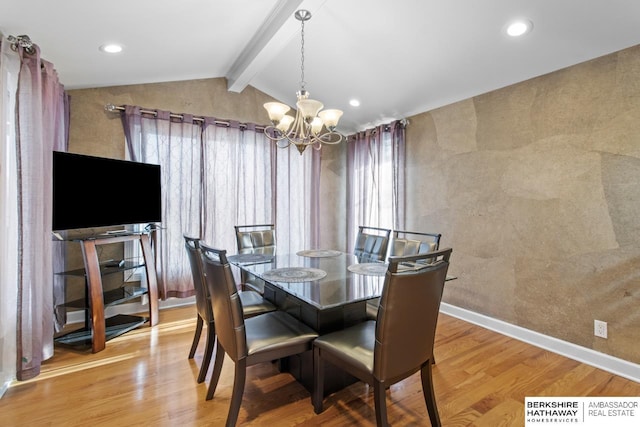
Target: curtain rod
<point>118,108</point>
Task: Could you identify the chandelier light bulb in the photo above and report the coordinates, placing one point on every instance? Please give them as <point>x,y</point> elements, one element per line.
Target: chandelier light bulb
<point>330,118</point>
<point>309,108</point>
<point>276,111</point>
<point>316,125</point>
<point>284,123</point>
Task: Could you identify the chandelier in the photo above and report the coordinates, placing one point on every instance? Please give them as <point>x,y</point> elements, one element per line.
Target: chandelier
<point>310,127</point>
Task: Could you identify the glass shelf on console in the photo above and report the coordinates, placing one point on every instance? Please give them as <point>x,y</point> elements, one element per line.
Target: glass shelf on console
<point>93,234</point>
<point>106,267</point>
<point>112,297</point>
<point>114,326</point>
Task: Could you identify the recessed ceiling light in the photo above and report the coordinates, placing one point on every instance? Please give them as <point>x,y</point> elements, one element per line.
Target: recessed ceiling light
<point>519,28</point>
<point>111,48</point>
<point>354,103</point>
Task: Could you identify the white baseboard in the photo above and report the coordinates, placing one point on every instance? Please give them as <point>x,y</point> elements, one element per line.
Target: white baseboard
<point>623,368</point>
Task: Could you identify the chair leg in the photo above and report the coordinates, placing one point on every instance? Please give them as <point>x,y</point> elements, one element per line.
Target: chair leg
<point>208,351</point>
<point>380,400</point>
<point>429,394</point>
<point>317,396</point>
<point>217,369</point>
<point>196,337</point>
<point>238,390</point>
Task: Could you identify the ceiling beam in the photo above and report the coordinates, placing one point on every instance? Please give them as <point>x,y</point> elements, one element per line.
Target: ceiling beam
<point>276,31</point>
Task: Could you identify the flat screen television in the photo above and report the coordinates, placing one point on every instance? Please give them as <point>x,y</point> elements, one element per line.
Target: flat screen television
<point>93,191</point>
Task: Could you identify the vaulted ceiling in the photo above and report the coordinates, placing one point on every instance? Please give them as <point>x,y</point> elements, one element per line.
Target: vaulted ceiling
<point>398,58</point>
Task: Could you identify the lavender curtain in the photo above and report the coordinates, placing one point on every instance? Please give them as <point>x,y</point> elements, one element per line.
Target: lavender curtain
<point>297,199</point>
<point>375,179</point>
<point>396,131</point>
<point>238,181</point>
<point>9,70</point>
<point>176,146</point>
<point>55,123</point>
<point>38,126</point>
<point>314,226</point>
<point>217,174</point>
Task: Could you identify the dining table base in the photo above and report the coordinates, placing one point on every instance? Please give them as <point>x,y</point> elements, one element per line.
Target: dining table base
<point>322,321</point>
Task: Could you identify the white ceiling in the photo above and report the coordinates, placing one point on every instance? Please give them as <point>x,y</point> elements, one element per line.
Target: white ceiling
<point>397,57</point>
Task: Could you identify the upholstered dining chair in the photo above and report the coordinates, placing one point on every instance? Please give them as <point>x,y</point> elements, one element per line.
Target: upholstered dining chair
<point>371,243</point>
<point>399,343</point>
<point>252,305</point>
<point>256,238</point>
<point>247,342</point>
<point>405,243</point>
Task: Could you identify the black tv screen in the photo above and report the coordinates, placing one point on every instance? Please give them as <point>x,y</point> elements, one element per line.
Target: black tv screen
<point>93,191</point>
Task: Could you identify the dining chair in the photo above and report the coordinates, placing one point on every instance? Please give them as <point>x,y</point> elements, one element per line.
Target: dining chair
<point>405,243</point>
<point>247,342</point>
<point>257,238</point>
<point>252,305</point>
<point>371,243</point>
<point>399,343</point>
<point>413,242</point>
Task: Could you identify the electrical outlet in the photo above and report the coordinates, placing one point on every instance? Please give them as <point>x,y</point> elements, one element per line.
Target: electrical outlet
<point>600,328</point>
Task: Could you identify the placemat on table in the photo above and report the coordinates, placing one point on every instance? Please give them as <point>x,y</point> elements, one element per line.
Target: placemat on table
<point>369,268</point>
<point>294,274</point>
<point>319,253</point>
<point>250,258</point>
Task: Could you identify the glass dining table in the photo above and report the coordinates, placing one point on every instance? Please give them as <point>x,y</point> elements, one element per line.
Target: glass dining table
<point>327,290</point>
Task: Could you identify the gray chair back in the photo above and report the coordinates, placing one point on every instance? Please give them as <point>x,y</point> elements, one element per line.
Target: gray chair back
<point>408,314</point>
<point>259,238</point>
<point>203,301</point>
<point>371,243</point>
<point>203,306</point>
<point>413,243</point>
<point>226,304</point>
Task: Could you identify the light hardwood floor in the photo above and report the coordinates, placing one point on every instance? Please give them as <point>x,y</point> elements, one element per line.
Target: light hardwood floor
<point>144,378</point>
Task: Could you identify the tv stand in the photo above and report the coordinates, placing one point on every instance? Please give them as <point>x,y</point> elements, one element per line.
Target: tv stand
<point>98,329</point>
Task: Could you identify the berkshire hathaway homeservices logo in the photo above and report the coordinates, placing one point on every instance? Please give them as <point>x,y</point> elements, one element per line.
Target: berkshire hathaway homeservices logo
<point>582,411</point>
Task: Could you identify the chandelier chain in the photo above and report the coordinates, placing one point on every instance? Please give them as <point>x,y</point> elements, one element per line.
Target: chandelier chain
<point>302,82</point>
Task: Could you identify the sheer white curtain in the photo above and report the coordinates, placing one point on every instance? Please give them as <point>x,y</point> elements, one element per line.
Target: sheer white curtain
<point>34,111</point>
<point>9,69</point>
<point>375,180</point>
<point>297,186</point>
<point>238,182</point>
<point>217,174</point>
<point>176,146</point>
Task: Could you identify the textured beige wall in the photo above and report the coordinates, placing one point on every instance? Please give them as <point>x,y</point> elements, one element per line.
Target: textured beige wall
<point>537,188</point>
<point>97,132</point>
